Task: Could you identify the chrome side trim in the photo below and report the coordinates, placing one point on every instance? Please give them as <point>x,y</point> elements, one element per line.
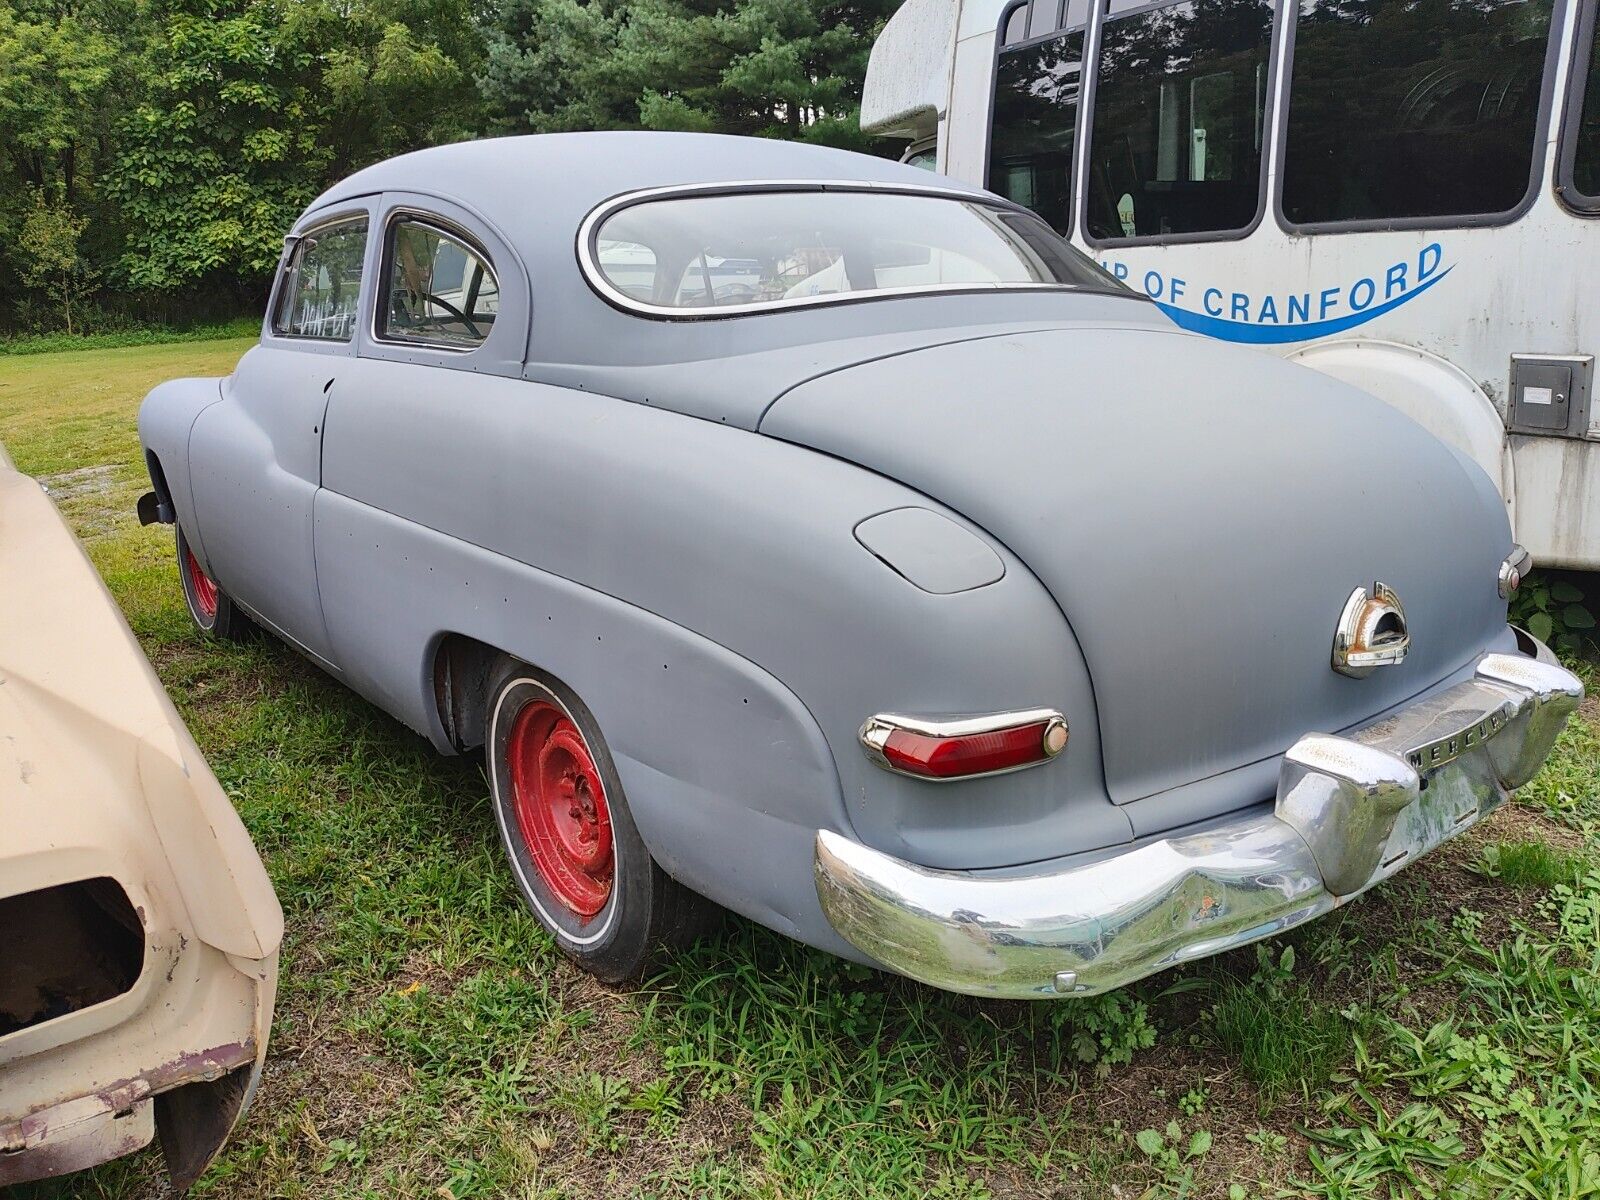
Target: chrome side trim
<point>1350,811</point>
<point>876,730</point>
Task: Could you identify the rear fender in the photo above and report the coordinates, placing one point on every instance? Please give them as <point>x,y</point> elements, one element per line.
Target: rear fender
<point>746,551</point>
<point>721,756</point>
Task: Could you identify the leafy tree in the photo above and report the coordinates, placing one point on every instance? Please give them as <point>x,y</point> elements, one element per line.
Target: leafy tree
<point>59,68</point>
<point>389,75</point>
<point>55,66</point>
<point>47,244</point>
<point>153,152</point>
<point>222,151</point>
<point>254,106</point>
<point>775,68</point>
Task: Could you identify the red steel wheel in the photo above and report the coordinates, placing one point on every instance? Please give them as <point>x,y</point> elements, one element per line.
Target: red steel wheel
<point>205,591</point>
<point>575,852</point>
<point>560,803</point>
<point>211,607</point>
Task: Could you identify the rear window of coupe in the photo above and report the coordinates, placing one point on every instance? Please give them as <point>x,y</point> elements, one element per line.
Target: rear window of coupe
<point>709,255</point>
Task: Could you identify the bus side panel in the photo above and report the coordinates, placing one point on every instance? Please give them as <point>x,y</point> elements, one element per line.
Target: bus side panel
<point>965,146</point>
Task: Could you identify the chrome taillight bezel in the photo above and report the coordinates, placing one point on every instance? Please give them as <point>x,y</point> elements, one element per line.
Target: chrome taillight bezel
<point>1514,569</point>
<point>1053,737</point>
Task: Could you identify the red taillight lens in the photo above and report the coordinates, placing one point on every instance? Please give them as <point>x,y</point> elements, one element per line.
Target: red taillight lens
<point>966,747</point>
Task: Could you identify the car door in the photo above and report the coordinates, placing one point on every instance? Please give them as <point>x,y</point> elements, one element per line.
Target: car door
<point>450,306</point>
<point>256,457</point>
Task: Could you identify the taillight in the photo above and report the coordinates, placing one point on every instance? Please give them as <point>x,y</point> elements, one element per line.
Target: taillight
<point>962,747</point>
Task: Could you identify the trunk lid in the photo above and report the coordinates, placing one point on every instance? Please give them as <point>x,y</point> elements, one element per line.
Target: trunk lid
<point>1200,512</point>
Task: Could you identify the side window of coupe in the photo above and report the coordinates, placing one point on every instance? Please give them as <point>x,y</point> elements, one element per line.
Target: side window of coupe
<point>322,287</point>
<point>441,290</point>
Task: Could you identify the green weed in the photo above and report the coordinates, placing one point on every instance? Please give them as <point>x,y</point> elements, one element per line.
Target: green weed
<point>1281,1037</point>
<point>1528,864</point>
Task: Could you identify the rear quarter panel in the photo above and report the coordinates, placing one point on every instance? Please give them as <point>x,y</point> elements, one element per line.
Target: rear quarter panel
<point>701,588</point>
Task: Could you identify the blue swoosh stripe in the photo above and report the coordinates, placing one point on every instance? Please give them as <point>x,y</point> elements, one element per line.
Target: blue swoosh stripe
<point>1248,331</point>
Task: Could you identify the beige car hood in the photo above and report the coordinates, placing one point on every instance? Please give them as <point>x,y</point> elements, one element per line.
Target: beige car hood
<point>104,793</point>
<point>78,697</point>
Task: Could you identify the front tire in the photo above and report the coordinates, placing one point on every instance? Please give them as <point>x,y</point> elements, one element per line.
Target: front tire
<point>209,607</point>
<point>575,853</point>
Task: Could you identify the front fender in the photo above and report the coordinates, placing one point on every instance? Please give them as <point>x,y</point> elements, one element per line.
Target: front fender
<point>166,416</point>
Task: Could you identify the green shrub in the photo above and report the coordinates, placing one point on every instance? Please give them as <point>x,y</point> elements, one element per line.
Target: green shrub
<point>50,343</point>
<point>1553,611</point>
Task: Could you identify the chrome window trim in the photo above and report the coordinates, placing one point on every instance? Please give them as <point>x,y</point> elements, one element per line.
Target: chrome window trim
<point>595,276</point>
<point>451,230</point>
<point>291,245</point>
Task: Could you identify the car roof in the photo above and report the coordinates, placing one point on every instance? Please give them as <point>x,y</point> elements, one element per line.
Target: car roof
<point>534,191</point>
<point>540,186</point>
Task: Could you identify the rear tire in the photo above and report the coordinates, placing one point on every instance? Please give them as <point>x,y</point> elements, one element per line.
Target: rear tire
<point>575,853</point>
<point>209,607</point>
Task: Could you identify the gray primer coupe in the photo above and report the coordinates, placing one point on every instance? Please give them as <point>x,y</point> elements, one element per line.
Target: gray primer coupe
<point>841,546</point>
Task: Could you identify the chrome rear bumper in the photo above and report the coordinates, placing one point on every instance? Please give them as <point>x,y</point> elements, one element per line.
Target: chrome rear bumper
<point>1350,812</point>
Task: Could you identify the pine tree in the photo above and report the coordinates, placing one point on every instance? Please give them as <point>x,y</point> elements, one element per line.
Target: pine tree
<point>773,68</point>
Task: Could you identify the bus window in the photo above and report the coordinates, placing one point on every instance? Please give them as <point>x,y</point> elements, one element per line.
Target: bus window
<point>1580,184</point>
<point>1178,119</point>
<point>1413,108</point>
<point>1031,138</point>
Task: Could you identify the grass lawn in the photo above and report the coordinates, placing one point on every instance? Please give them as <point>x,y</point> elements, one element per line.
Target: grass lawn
<point>1439,1037</point>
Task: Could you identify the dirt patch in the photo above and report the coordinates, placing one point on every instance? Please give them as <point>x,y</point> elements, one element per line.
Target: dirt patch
<point>85,481</point>
<point>1523,823</point>
<point>1589,710</point>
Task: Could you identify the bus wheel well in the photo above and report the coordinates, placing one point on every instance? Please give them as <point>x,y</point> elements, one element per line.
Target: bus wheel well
<point>461,667</point>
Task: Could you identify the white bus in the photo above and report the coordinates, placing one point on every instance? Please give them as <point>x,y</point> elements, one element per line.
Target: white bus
<point>1402,193</point>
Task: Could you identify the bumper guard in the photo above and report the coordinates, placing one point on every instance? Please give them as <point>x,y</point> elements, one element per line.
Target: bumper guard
<point>1350,812</point>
